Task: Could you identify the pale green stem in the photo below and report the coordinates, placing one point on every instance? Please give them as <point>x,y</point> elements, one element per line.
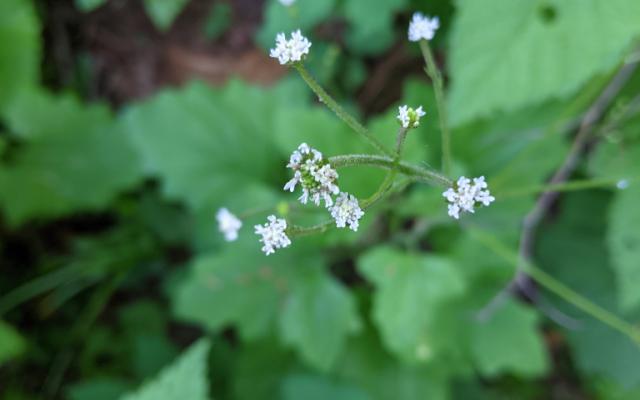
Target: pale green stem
<point>438,87</point>
<point>338,110</point>
<point>564,187</point>
<point>413,171</point>
<point>557,287</point>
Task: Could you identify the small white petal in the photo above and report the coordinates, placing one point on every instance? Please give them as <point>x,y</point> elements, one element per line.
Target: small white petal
<point>273,234</point>
<point>228,224</point>
<point>422,27</point>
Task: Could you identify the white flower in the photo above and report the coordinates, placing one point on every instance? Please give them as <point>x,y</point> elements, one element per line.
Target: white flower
<point>314,174</point>
<point>346,210</point>
<point>228,224</point>
<point>289,51</point>
<point>410,118</point>
<point>465,195</point>
<point>287,2</point>
<point>423,27</point>
<point>273,234</point>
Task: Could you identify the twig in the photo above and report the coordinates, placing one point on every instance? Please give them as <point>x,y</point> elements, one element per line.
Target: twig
<point>546,200</point>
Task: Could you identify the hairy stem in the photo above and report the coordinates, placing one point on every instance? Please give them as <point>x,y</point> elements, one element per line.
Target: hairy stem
<point>338,110</point>
<point>413,171</point>
<point>438,87</point>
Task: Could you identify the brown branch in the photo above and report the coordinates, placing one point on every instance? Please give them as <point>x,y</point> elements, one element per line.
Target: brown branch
<point>521,281</point>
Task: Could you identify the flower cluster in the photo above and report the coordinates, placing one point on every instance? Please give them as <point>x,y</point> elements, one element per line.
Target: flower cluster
<point>465,195</point>
<point>292,50</point>
<point>410,118</point>
<point>314,174</point>
<point>228,224</point>
<point>346,210</point>
<point>273,234</point>
<point>422,27</point>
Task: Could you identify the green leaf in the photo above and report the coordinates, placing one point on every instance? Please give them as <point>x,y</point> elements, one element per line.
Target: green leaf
<point>98,389</point>
<point>186,378</point>
<point>163,12</point>
<point>509,343</point>
<point>535,50</point>
<point>11,343</point>
<point>238,286</point>
<point>74,158</point>
<point>410,290</point>
<point>382,377</point>
<point>219,20</point>
<point>624,245</point>
<point>371,30</point>
<point>303,15</point>
<point>19,48</point>
<point>573,249</point>
<point>208,145</point>
<point>89,5</point>
<point>317,387</point>
<point>317,317</point>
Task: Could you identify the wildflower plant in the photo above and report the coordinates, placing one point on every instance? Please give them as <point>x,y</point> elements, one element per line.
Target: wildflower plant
<point>317,176</point>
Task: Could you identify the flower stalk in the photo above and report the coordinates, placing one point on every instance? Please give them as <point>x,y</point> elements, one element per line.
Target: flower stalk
<point>338,110</point>
<point>438,86</point>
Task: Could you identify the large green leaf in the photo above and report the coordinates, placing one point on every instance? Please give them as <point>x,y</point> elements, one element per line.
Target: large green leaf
<point>74,158</point>
<point>186,378</point>
<point>317,387</point>
<point>366,365</point>
<point>11,343</point>
<point>19,48</point>
<point>207,145</point>
<point>573,249</point>
<point>317,317</point>
<point>371,24</point>
<point>410,290</point>
<point>239,286</point>
<point>624,245</point>
<point>509,342</point>
<point>510,54</point>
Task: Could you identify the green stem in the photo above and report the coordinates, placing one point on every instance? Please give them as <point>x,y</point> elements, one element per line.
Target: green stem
<point>414,171</point>
<point>557,287</point>
<point>338,110</point>
<point>438,86</point>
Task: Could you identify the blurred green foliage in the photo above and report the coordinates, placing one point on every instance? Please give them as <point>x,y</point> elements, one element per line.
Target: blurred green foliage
<point>112,310</point>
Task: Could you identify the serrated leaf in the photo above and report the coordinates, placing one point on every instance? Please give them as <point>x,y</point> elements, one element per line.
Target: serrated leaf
<point>239,286</point>
<point>19,48</point>
<point>509,342</point>
<point>371,24</point>
<point>74,158</point>
<point>317,387</point>
<point>535,50</point>
<point>186,378</point>
<point>366,365</point>
<point>623,239</point>
<point>317,318</point>
<point>11,343</point>
<point>573,249</point>
<point>410,289</point>
<point>163,12</point>
<point>209,144</point>
<point>303,15</point>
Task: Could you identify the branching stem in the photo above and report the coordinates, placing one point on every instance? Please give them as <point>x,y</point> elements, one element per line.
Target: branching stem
<point>338,110</point>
